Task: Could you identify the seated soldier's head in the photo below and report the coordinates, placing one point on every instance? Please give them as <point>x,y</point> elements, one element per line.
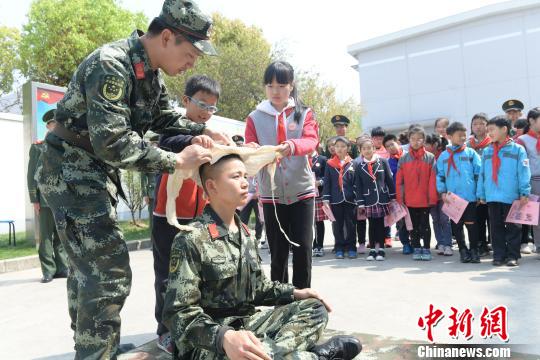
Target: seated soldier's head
<point>225,182</point>
<point>200,98</point>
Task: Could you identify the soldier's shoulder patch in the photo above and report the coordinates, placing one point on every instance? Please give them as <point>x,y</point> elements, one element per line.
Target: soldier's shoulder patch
<point>213,230</point>
<point>246,229</point>
<point>113,87</point>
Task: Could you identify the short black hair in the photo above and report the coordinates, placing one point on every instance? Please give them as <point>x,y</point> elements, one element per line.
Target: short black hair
<point>455,127</point>
<point>202,83</point>
<point>441,119</point>
<point>520,123</point>
<point>501,121</point>
<point>480,115</point>
<point>389,137</point>
<point>533,114</point>
<point>342,139</point>
<point>157,26</point>
<point>377,131</point>
<point>416,130</point>
<point>403,138</point>
<point>433,139</point>
<point>208,171</point>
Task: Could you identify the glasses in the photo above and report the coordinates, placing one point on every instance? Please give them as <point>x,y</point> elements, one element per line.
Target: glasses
<point>203,106</point>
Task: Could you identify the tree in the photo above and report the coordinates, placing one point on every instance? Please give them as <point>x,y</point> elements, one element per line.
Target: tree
<point>134,198</point>
<point>9,61</point>
<point>321,97</point>
<point>61,33</point>
<point>244,53</point>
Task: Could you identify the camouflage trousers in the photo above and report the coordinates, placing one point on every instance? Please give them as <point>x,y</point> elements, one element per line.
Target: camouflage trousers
<point>52,257</point>
<point>100,276</point>
<point>286,332</point>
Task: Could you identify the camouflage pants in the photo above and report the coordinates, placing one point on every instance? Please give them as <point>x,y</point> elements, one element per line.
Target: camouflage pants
<point>287,332</point>
<point>51,252</point>
<point>100,276</point>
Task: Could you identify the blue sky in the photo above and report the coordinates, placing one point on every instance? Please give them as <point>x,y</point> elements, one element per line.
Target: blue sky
<point>315,33</point>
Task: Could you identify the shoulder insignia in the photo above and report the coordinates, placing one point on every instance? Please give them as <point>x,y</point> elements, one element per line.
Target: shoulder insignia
<point>139,70</point>
<point>112,88</point>
<point>213,230</point>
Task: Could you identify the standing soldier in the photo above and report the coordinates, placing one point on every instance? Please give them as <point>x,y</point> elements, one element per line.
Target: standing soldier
<point>52,256</point>
<point>148,182</point>
<point>341,123</point>
<point>116,94</point>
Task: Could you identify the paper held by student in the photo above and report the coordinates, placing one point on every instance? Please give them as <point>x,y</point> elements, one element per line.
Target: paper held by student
<point>454,207</point>
<point>397,212</point>
<point>524,214</point>
<point>328,212</point>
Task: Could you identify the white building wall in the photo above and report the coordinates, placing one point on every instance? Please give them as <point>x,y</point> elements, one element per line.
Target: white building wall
<point>454,72</point>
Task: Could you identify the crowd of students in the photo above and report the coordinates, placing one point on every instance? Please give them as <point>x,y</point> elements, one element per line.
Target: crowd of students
<point>357,183</point>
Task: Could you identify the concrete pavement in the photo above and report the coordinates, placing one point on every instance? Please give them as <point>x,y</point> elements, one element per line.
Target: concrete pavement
<point>377,298</point>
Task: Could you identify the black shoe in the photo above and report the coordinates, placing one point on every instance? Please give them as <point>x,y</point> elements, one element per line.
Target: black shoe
<point>483,251</point>
<point>512,262</point>
<point>61,274</point>
<point>46,279</point>
<point>475,256</point>
<point>464,255</point>
<point>124,348</point>
<point>498,263</point>
<point>340,347</point>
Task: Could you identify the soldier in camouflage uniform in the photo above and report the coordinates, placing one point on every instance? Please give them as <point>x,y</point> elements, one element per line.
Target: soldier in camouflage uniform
<point>52,256</point>
<point>116,94</point>
<point>216,282</point>
<point>148,182</point>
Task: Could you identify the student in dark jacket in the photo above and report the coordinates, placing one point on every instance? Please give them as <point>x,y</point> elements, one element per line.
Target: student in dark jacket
<point>318,166</point>
<point>374,190</point>
<point>339,196</point>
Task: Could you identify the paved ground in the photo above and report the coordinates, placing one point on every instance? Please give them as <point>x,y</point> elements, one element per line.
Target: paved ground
<point>382,299</point>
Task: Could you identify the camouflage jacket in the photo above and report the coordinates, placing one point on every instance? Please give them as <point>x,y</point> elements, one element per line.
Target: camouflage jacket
<point>33,165</point>
<point>215,279</point>
<point>114,97</point>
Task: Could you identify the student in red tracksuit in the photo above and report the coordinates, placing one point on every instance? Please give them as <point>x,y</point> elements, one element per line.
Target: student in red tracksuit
<point>416,188</point>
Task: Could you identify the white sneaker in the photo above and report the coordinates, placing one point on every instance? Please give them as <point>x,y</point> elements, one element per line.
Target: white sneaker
<point>380,255</point>
<point>372,255</point>
<point>448,251</point>
<point>440,250</point>
<point>526,249</point>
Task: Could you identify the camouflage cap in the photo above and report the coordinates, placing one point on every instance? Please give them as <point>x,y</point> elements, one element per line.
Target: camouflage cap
<point>48,116</point>
<point>186,17</point>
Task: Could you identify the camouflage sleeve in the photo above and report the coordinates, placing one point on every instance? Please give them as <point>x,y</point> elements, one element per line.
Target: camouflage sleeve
<point>182,314</point>
<point>165,117</point>
<point>108,117</point>
<point>33,158</point>
<point>270,293</point>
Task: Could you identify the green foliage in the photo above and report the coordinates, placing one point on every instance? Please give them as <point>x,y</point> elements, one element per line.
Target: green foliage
<point>61,33</point>
<point>9,56</point>
<point>243,54</point>
<point>321,97</point>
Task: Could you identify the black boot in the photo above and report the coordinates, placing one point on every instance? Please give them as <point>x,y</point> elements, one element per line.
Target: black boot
<point>340,347</point>
<point>475,256</point>
<point>464,255</point>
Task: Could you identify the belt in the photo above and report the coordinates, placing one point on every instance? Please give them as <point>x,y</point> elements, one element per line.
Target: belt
<point>72,138</point>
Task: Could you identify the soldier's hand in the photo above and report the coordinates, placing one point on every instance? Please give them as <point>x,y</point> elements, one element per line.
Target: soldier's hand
<point>192,157</point>
<point>36,206</point>
<point>219,137</point>
<point>308,293</point>
<point>146,200</point>
<point>243,344</point>
<point>285,149</point>
<point>203,140</point>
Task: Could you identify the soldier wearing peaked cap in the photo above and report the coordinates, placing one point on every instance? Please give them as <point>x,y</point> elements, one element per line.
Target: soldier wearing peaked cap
<point>115,96</point>
<point>341,123</point>
<point>52,256</point>
<point>513,109</point>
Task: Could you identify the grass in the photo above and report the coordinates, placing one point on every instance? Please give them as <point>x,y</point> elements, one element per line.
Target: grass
<point>26,247</point>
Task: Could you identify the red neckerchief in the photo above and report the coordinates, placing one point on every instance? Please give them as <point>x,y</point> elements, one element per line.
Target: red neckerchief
<point>335,162</point>
<point>417,154</point>
<point>537,137</point>
<point>476,145</point>
<point>451,161</point>
<point>398,155</point>
<point>281,131</point>
<point>496,162</point>
<point>370,166</point>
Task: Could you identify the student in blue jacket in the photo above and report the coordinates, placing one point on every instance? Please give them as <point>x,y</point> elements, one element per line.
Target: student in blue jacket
<point>457,172</point>
<point>338,195</point>
<point>504,177</point>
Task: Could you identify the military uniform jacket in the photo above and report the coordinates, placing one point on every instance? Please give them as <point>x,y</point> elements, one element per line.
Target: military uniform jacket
<point>215,279</point>
<point>114,97</point>
<point>33,165</point>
